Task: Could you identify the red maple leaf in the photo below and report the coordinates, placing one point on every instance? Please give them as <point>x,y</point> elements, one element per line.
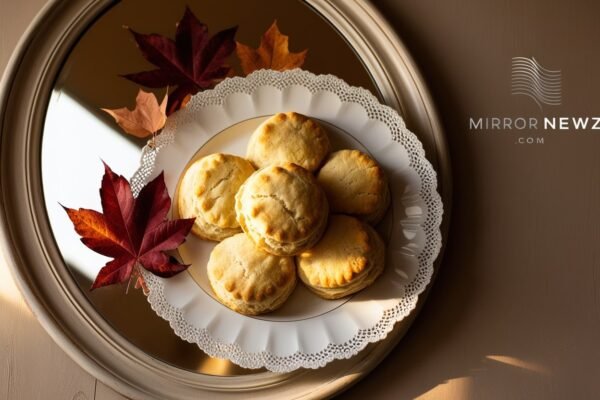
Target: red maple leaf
<point>133,231</point>
<point>192,62</point>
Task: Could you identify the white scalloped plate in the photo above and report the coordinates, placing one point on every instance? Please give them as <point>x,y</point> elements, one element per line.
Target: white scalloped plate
<point>307,331</point>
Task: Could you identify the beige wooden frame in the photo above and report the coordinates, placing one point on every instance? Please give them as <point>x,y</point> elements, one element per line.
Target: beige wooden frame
<point>38,268</point>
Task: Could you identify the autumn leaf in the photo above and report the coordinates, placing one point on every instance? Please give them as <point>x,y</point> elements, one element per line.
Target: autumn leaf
<point>273,53</point>
<point>147,118</point>
<point>132,231</point>
<point>192,62</point>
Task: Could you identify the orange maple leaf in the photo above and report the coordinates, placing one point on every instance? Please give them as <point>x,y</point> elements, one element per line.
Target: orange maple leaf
<point>273,53</point>
<point>147,118</point>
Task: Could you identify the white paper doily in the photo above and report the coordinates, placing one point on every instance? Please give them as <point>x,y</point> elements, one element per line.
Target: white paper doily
<point>322,331</point>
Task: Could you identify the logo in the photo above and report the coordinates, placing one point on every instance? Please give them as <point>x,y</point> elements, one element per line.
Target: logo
<point>530,79</point>
<point>544,87</point>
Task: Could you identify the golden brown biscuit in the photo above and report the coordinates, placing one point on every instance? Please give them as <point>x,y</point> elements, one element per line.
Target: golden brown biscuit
<point>282,209</point>
<point>355,184</point>
<point>207,192</point>
<point>288,137</point>
<point>247,279</point>
<point>349,257</point>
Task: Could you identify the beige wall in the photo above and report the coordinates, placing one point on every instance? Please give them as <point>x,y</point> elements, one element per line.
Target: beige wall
<point>515,312</point>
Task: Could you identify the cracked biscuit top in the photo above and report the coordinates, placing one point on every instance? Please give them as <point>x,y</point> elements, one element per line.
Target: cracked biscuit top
<point>247,279</point>
<point>289,137</point>
<point>355,184</point>
<point>282,205</point>
<point>207,193</point>
<point>349,257</point>
<point>340,257</point>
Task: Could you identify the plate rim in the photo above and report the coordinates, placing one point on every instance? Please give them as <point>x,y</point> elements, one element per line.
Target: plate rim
<point>26,87</point>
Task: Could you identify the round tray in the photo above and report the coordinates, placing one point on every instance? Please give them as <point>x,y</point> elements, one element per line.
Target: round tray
<point>48,286</point>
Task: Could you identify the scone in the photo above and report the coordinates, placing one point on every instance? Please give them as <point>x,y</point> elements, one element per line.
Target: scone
<point>288,137</point>
<point>207,193</point>
<point>348,258</point>
<point>355,184</point>
<point>282,209</point>
<point>248,280</point>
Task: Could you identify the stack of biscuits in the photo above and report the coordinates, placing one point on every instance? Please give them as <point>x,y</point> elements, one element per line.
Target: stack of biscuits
<point>271,213</point>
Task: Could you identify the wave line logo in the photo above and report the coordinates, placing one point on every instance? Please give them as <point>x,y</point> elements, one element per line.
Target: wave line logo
<point>529,78</point>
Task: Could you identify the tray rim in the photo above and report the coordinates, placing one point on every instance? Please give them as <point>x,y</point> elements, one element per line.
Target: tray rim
<point>26,86</point>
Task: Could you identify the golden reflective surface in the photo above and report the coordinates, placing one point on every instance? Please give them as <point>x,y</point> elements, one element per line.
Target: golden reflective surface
<point>77,134</point>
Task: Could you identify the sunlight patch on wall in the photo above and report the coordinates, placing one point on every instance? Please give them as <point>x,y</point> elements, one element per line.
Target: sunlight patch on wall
<point>520,363</point>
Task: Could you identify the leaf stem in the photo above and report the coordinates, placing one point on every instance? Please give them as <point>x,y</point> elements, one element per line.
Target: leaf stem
<point>152,143</point>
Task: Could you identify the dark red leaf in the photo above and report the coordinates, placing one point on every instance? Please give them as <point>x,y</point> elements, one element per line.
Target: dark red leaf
<point>151,208</point>
<point>95,233</point>
<point>162,265</point>
<point>177,98</point>
<point>134,231</point>
<point>116,271</point>
<point>192,62</point>
<point>190,34</point>
<point>157,78</point>
<point>117,205</point>
<point>166,236</point>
